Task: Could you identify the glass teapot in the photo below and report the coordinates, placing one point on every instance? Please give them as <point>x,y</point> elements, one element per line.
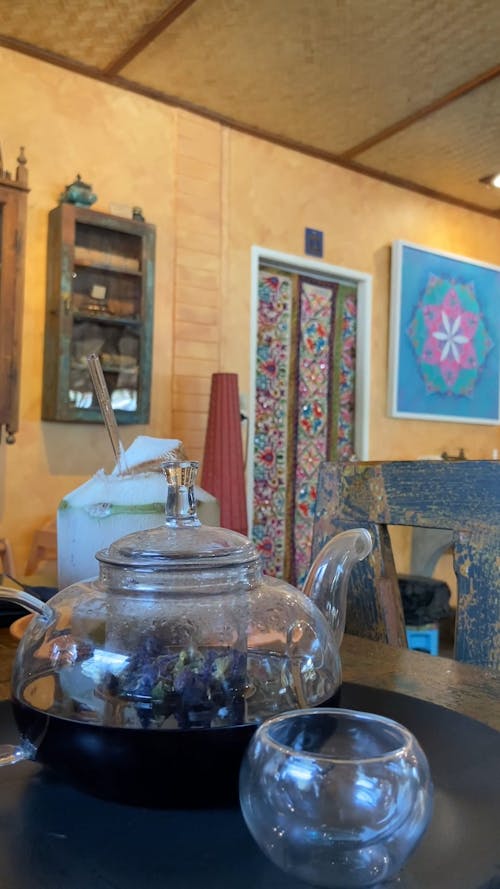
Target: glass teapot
<point>181,630</point>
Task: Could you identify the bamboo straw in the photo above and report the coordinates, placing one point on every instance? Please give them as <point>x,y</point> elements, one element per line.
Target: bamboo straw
<point>108,414</point>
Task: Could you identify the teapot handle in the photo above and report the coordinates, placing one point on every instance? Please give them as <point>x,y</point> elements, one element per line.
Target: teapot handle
<point>10,755</point>
<point>28,601</point>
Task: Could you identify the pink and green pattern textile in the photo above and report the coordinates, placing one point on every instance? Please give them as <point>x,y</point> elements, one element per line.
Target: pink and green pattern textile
<point>445,336</point>
<point>449,337</point>
<point>271,419</point>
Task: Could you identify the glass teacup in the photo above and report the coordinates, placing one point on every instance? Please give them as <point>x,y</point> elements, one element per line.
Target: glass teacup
<point>338,798</point>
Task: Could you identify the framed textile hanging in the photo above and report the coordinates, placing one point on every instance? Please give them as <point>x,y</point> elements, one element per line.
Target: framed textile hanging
<point>304,407</point>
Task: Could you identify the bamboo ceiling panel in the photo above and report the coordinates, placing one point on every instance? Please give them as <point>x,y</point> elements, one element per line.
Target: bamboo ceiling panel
<point>450,150</point>
<point>94,32</point>
<point>324,73</point>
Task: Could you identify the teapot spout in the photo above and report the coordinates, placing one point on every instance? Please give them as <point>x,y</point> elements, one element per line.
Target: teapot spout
<point>26,600</point>
<point>328,577</point>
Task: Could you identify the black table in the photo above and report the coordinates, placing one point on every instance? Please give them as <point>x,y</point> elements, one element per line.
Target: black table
<point>52,835</point>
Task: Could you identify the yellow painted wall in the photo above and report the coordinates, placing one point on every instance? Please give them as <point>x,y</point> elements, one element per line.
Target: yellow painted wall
<point>212,193</point>
<point>125,147</point>
<point>273,194</point>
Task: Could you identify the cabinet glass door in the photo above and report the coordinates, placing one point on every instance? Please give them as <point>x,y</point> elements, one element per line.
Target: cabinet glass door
<point>107,312</point>
<point>100,296</point>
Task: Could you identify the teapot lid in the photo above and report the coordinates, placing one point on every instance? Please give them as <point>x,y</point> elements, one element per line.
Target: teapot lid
<point>182,541</point>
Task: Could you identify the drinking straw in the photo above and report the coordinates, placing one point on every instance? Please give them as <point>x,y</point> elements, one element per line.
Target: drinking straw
<point>108,414</point>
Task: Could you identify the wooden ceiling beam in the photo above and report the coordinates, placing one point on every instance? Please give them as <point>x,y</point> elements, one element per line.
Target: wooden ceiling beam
<point>52,58</point>
<point>309,150</point>
<point>160,25</point>
<point>437,105</point>
<point>173,101</point>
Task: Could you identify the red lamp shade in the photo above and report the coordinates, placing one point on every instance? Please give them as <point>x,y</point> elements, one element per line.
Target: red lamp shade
<point>223,466</point>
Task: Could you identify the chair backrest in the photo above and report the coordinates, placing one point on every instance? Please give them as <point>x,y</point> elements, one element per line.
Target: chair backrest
<point>462,497</point>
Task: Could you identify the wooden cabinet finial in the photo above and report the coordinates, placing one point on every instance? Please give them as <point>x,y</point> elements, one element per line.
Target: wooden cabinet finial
<point>13,200</point>
<point>22,169</point>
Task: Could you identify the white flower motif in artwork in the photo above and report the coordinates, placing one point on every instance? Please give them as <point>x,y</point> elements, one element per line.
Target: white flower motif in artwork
<point>450,336</point>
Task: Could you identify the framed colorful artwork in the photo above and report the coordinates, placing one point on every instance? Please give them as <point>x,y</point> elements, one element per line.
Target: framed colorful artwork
<point>444,361</point>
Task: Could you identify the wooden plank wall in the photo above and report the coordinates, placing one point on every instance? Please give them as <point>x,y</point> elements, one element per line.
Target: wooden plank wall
<point>198,273</point>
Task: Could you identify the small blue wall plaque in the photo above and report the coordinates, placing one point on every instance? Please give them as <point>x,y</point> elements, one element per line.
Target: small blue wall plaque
<point>314,242</point>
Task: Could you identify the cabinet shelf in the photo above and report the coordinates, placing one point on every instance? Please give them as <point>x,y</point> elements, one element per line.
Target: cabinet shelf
<point>103,318</point>
<point>108,368</point>
<point>106,267</point>
<point>107,262</point>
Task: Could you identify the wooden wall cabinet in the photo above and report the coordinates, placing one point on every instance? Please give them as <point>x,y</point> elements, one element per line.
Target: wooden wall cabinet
<point>100,295</point>
<point>13,206</point>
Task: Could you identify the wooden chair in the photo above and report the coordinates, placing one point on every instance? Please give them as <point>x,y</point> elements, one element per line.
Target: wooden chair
<point>461,497</point>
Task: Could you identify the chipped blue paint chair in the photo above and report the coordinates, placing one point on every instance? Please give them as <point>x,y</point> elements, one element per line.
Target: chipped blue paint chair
<point>462,497</point>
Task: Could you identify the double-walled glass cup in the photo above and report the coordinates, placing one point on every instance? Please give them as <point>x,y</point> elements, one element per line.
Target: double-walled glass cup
<point>337,798</point>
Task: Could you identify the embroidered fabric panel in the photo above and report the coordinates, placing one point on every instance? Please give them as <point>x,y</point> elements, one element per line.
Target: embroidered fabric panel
<point>271,419</point>
<point>304,409</point>
<point>316,333</point>
<point>345,383</point>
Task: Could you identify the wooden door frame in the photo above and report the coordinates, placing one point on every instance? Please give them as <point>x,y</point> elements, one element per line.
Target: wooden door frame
<point>363,284</point>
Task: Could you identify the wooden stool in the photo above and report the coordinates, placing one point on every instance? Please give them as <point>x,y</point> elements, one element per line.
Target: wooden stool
<point>43,547</point>
<point>6,557</point>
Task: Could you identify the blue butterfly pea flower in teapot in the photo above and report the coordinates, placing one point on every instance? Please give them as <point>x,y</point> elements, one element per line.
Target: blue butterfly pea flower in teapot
<point>182,631</point>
